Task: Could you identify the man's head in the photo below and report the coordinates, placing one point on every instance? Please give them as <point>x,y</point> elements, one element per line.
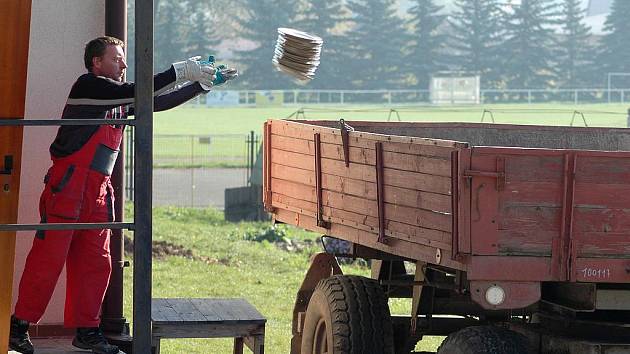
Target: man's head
<point>104,56</point>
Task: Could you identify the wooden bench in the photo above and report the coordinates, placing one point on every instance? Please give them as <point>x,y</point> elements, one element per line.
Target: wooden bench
<point>209,318</point>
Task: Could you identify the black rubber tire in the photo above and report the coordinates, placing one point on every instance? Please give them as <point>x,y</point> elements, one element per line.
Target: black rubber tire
<point>348,315</point>
<point>485,340</point>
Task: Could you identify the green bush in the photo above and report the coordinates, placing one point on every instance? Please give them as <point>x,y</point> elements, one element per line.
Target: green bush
<point>269,233</point>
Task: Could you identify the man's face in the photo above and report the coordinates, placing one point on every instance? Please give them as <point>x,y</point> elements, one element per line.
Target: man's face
<point>112,64</point>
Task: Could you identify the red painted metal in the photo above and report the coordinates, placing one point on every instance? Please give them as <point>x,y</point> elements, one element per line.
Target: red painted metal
<point>454,205</point>
<point>568,248</point>
<point>267,164</point>
<point>517,294</point>
<point>380,197</point>
<point>513,268</point>
<point>601,270</point>
<point>318,182</point>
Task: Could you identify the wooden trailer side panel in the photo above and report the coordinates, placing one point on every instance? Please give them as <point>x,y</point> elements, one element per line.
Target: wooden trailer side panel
<point>567,208</point>
<point>517,211</point>
<point>415,191</point>
<point>599,242</point>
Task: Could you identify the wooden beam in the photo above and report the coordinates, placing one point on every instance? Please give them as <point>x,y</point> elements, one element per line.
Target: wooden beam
<point>16,17</point>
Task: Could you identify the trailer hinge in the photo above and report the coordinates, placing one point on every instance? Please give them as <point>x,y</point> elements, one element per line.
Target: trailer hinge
<point>345,137</point>
<point>499,174</point>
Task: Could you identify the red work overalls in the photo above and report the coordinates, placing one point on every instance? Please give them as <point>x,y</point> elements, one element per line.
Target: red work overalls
<point>78,189</point>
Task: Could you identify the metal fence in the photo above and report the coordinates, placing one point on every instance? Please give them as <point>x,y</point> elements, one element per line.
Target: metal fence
<point>194,170</point>
<point>414,97</point>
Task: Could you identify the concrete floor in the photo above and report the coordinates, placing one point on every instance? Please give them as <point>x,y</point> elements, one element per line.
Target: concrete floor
<point>54,346</point>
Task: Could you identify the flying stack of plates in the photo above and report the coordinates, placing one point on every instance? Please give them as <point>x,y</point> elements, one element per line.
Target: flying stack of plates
<point>297,53</point>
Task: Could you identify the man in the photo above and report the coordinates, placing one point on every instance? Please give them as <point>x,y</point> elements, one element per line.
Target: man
<point>78,189</point>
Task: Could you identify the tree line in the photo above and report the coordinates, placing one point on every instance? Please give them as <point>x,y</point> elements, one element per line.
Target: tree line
<point>371,44</point>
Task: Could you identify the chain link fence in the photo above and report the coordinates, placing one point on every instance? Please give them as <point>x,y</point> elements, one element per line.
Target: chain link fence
<point>195,170</point>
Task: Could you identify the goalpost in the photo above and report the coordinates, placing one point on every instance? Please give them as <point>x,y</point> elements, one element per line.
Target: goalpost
<point>455,88</point>
<point>611,76</point>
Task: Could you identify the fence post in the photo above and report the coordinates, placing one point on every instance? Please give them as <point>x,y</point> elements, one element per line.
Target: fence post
<point>529,96</point>
<point>341,97</point>
<point>575,97</point>
<point>628,119</point>
<point>192,171</point>
<point>250,162</point>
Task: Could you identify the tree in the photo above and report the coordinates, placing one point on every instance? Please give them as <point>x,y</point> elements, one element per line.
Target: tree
<point>259,24</point>
<point>575,50</point>
<point>329,20</point>
<point>170,24</point>
<point>528,50</point>
<point>476,38</point>
<point>425,56</point>
<point>615,45</point>
<point>202,35</point>
<point>376,39</point>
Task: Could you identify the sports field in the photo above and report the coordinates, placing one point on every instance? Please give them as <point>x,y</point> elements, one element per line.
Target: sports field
<point>226,129</point>
<point>199,121</point>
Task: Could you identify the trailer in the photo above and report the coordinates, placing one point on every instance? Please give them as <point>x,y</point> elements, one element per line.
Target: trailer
<point>506,238</point>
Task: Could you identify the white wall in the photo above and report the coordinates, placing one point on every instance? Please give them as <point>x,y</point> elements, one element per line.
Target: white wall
<point>59,31</point>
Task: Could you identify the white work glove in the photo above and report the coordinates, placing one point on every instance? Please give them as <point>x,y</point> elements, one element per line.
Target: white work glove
<point>194,69</point>
<point>224,74</point>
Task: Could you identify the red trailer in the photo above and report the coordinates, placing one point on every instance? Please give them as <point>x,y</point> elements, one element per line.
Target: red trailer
<point>508,239</point>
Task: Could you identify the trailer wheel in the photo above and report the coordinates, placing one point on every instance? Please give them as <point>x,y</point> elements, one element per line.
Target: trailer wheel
<point>347,315</point>
<point>485,340</point>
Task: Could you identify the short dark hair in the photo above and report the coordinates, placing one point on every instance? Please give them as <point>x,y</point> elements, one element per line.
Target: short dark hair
<point>96,48</point>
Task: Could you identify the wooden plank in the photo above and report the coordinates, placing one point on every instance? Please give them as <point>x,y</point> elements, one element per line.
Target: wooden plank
<point>545,193</point>
<point>367,190</point>
<point>15,17</point>
<point>396,178</point>
<point>523,243</point>
<point>206,330</point>
<point>367,156</point>
<point>413,216</point>
<point>611,220</point>
<point>520,167</point>
<point>412,233</point>
<point>203,306</point>
<point>161,311</point>
<point>395,246</point>
<point>363,139</point>
<point>602,195</point>
<point>597,244</point>
<point>530,218</point>
<point>602,170</point>
<point>186,310</point>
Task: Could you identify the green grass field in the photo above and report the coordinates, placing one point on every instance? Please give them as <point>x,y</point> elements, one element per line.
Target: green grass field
<point>228,128</point>
<point>190,120</point>
<point>226,264</point>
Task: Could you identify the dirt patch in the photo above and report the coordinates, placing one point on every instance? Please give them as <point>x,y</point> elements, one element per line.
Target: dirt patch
<point>163,249</point>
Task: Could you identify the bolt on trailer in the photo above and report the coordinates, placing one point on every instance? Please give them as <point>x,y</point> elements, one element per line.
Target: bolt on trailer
<point>512,237</point>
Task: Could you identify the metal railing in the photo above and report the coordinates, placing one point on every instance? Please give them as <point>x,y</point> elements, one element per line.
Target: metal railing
<point>143,146</point>
<point>415,97</point>
<point>195,157</point>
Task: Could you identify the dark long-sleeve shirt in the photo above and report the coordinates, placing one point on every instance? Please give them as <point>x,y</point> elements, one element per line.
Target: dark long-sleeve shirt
<point>97,97</point>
